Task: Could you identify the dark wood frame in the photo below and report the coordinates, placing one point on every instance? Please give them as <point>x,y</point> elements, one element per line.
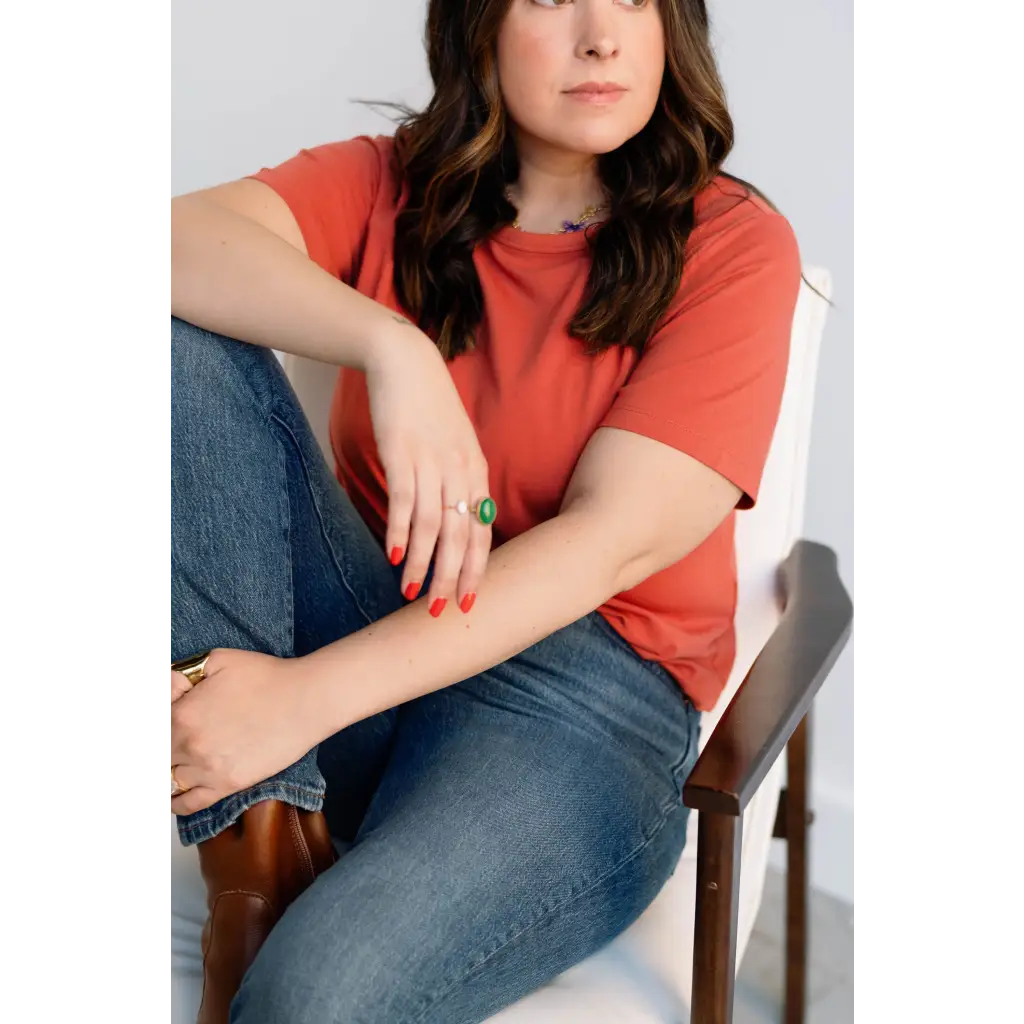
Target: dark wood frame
<point>769,713</point>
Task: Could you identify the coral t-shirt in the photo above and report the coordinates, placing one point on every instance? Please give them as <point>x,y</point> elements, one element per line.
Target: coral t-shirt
<point>709,382</point>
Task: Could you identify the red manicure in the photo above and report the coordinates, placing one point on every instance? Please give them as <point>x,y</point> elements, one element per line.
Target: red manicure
<point>412,591</point>
<point>467,603</point>
<point>396,555</point>
<point>438,606</point>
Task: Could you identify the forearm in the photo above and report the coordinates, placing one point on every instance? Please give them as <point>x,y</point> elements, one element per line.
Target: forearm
<point>534,585</point>
<point>235,277</point>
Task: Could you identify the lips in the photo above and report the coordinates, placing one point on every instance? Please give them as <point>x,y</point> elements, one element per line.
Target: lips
<point>596,88</point>
<point>597,95</point>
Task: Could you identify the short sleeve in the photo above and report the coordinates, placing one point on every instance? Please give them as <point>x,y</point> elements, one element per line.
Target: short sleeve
<point>331,191</point>
<point>710,380</point>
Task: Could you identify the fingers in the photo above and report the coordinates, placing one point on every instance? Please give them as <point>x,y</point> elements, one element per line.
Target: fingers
<point>187,776</point>
<point>194,797</point>
<point>183,746</point>
<point>426,525</point>
<point>478,547</point>
<point>197,799</point>
<point>179,685</point>
<point>473,567</point>
<point>401,501</point>
<point>452,542</point>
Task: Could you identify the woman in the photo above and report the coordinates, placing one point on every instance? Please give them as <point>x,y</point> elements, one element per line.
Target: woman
<point>480,651</point>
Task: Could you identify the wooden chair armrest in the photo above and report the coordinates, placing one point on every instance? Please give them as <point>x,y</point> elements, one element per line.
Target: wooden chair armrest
<point>780,686</point>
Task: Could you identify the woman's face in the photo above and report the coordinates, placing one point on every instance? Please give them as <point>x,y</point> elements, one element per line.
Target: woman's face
<point>548,49</point>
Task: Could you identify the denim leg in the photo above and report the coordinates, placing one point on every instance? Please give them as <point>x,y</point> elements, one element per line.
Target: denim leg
<point>527,816</point>
<point>267,552</point>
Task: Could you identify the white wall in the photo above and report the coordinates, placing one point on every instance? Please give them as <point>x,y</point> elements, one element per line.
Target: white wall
<point>255,80</point>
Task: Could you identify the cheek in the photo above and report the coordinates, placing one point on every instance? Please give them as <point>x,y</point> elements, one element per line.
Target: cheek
<point>653,66</point>
<point>654,45</point>
<point>525,70</point>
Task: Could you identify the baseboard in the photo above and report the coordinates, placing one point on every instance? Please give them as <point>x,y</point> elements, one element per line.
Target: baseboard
<point>831,857</point>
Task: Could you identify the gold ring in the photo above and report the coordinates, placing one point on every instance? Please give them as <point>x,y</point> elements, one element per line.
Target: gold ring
<point>194,668</point>
<point>176,787</point>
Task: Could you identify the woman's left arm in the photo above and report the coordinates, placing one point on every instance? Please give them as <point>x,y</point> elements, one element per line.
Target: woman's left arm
<point>633,507</point>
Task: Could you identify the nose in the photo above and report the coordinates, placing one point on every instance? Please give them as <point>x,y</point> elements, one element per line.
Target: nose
<point>596,28</point>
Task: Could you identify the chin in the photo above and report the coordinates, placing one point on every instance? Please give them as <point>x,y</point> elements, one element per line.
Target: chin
<point>592,139</point>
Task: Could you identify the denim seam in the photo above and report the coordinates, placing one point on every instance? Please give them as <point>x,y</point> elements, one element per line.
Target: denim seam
<point>691,745</point>
<point>546,913</point>
<point>342,575</point>
<point>285,512</point>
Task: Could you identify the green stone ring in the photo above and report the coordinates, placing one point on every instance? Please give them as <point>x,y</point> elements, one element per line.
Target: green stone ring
<point>486,511</point>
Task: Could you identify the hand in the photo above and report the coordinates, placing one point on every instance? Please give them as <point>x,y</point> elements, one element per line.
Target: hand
<point>431,458</point>
<point>242,724</point>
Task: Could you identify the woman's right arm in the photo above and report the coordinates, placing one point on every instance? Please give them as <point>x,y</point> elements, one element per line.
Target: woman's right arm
<point>239,268</point>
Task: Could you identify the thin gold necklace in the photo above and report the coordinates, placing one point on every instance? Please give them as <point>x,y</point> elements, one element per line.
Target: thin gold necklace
<point>567,225</point>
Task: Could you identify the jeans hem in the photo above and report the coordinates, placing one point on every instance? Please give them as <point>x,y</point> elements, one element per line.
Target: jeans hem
<point>205,824</point>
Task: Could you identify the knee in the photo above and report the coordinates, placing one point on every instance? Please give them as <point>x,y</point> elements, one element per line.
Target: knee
<point>190,345</point>
<point>219,384</point>
<point>219,401</point>
<point>199,360</point>
<point>206,366</point>
<point>199,366</point>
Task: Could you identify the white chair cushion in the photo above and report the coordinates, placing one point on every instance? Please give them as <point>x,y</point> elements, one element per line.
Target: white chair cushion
<point>644,976</point>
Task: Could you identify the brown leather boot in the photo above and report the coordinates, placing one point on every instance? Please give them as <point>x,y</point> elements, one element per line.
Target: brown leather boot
<point>253,871</point>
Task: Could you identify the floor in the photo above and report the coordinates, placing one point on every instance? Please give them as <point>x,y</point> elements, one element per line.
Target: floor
<point>759,987</point>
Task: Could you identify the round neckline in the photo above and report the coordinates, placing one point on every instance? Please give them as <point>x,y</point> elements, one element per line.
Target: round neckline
<point>529,241</point>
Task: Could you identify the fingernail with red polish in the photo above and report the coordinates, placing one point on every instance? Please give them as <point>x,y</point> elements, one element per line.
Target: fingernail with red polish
<point>396,555</point>
<point>412,591</point>
<point>467,603</point>
<point>438,606</point>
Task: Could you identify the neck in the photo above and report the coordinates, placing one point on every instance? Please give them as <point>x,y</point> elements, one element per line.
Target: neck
<point>554,185</point>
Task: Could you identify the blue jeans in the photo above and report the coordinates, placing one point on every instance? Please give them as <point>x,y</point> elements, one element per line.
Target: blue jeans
<point>504,828</point>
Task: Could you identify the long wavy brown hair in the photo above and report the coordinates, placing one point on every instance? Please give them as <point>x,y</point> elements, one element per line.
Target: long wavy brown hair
<point>456,158</point>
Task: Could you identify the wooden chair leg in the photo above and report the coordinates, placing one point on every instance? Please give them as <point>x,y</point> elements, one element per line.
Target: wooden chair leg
<point>714,940</point>
<point>797,819</point>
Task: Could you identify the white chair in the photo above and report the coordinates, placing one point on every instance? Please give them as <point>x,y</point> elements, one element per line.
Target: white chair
<point>685,949</point>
